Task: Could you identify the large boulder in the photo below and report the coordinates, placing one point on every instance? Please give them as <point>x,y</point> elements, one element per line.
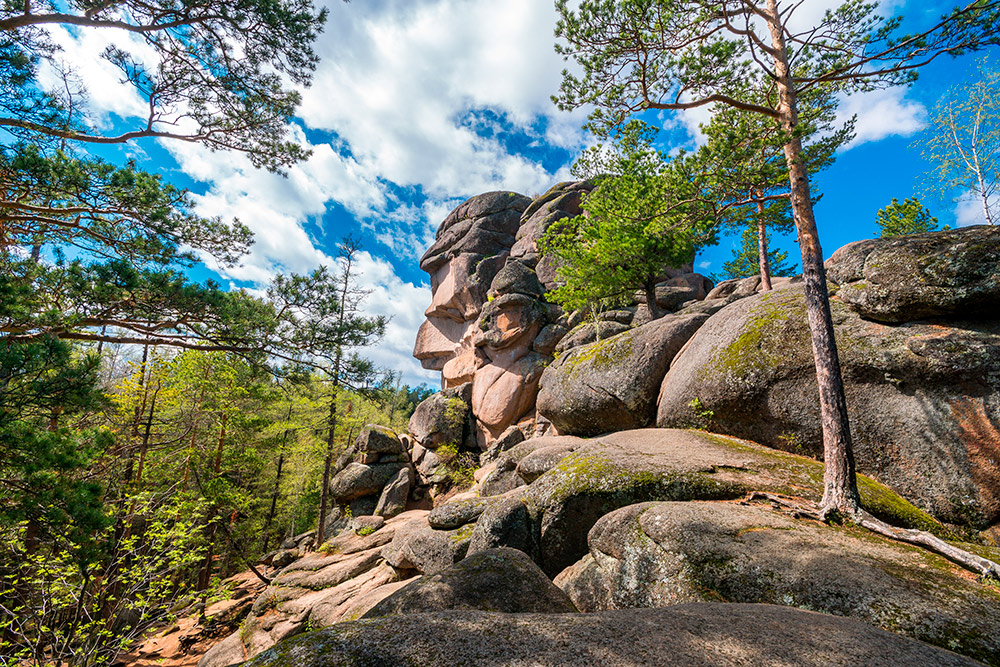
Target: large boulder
<point>723,635</point>
<point>442,418</point>
<point>661,554</point>
<point>629,467</point>
<point>377,440</point>
<point>394,495</point>
<point>923,397</point>
<point>953,273</point>
<point>611,385</point>
<point>358,480</point>
<point>417,546</point>
<point>495,580</point>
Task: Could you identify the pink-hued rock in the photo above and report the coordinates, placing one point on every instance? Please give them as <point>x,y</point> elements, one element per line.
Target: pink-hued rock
<point>505,390</point>
<point>488,323</point>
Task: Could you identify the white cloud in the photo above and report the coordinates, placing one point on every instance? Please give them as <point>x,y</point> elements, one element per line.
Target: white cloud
<point>969,211</point>
<point>397,86</point>
<point>81,54</point>
<point>404,304</point>
<point>881,114</point>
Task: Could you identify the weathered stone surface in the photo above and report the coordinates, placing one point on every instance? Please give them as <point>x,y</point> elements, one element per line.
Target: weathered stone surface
<point>548,338</point>
<point>660,554</point>
<point>590,332</point>
<point>431,469</point>
<point>358,479</point>
<point>482,225</point>
<point>923,397</point>
<point>504,580</point>
<point>367,524</point>
<point>440,418</point>
<point>230,651</point>
<point>506,522</point>
<point>394,495</point>
<point>517,278</point>
<point>954,273</point>
<point>504,391</point>
<point>457,513</point>
<point>378,440</point>
<point>511,436</point>
<point>417,546</point>
<point>502,479</point>
<point>319,571</point>
<point>611,385</point>
<point>628,467</point>
<point>543,459</point>
<point>722,635</point>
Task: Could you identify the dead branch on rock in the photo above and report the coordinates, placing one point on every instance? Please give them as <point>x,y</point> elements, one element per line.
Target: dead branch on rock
<point>802,508</point>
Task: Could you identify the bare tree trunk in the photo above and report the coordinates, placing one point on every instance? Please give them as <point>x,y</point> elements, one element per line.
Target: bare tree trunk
<point>763,261</point>
<point>982,187</point>
<point>205,577</point>
<point>840,493</point>
<point>277,484</point>
<point>331,423</point>
<point>654,308</point>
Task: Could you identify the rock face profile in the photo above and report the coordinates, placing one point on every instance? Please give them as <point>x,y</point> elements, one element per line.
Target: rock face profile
<point>489,325</point>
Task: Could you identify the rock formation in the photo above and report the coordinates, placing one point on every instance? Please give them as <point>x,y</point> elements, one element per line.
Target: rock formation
<point>488,322</point>
<point>578,504</point>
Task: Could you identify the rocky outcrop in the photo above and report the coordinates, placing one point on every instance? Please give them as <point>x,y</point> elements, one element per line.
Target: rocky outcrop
<point>661,554</point>
<point>923,397</point>
<point>488,322</point>
<point>953,274</point>
<point>694,634</point>
<point>597,476</point>
<point>611,385</point>
<point>495,580</point>
<point>341,582</point>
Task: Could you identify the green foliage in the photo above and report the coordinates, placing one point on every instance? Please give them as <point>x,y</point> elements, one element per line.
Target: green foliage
<point>215,77</point>
<point>963,141</point>
<point>910,217</point>
<point>634,224</point>
<point>365,530</point>
<point>703,415</point>
<point>746,259</point>
<point>60,606</point>
<point>460,464</point>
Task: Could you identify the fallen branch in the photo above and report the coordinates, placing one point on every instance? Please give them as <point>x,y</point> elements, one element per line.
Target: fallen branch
<point>801,508</point>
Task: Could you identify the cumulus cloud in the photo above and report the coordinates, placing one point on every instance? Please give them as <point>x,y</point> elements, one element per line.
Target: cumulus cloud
<point>969,210</point>
<point>882,114</point>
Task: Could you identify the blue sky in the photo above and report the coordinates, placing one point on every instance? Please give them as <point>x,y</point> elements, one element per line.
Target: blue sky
<point>420,104</point>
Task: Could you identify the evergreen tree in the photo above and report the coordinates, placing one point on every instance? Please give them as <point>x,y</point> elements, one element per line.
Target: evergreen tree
<point>746,259</point>
<point>636,223</point>
<point>910,217</point>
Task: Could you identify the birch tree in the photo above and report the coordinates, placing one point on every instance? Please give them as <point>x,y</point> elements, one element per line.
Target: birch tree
<point>964,142</point>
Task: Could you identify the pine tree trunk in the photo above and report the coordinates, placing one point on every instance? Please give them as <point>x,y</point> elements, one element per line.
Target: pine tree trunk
<point>331,424</point>
<point>765,264</point>
<point>840,493</point>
